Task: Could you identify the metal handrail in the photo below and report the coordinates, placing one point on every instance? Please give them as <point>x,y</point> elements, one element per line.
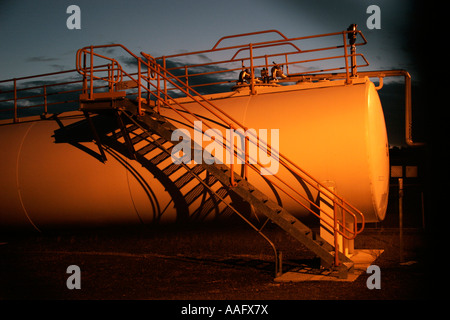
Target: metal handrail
<point>228,205</point>
<point>246,35</point>
<point>168,78</point>
<point>343,205</point>
<point>272,43</point>
<point>14,88</point>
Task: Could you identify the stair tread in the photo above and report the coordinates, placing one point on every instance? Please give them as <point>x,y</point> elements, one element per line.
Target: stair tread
<point>150,147</point>
<point>188,177</point>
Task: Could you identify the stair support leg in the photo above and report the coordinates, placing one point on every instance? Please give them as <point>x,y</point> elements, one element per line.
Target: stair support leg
<point>96,136</point>
<point>279,264</point>
<point>126,136</point>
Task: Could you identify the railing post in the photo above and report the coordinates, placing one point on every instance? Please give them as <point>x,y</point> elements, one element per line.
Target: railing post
<point>45,99</point>
<point>231,145</point>
<point>352,37</point>
<point>92,74</point>
<point>278,264</point>
<point>252,71</point>
<point>110,76</point>
<point>347,75</point>
<point>15,100</point>
<point>287,64</point>
<point>267,66</point>
<point>84,73</point>
<point>165,79</point>
<point>186,76</point>
<point>336,235</point>
<point>353,59</point>
<point>139,88</point>
<point>158,91</point>
<point>400,216</point>
<point>246,161</point>
<point>149,73</point>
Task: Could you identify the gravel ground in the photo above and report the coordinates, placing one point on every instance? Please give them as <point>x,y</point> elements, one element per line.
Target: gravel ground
<point>200,263</point>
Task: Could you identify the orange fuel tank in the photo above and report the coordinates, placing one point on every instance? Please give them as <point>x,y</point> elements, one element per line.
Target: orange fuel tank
<point>332,130</point>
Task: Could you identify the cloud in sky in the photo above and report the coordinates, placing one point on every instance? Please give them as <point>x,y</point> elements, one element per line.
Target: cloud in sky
<point>41,59</point>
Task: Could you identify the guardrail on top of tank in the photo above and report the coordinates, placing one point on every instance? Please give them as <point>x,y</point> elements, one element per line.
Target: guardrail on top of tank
<point>306,65</point>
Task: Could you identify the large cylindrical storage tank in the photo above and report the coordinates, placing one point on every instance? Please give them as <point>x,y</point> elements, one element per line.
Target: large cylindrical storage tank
<point>48,183</point>
<point>334,131</point>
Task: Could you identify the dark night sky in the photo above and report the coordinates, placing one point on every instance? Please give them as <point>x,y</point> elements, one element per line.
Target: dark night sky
<point>38,41</point>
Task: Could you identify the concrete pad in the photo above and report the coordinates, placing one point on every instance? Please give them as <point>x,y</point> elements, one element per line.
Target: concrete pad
<point>362,258</point>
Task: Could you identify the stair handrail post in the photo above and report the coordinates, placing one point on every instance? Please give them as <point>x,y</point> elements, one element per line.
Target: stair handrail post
<point>246,159</point>
<point>336,233</point>
<point>232,181</point>
<point>158,89</point>
<point>150,77</point>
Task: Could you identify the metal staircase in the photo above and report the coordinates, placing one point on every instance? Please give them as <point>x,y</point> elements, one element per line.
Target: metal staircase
<point>137,101</point>
<point>157,131</point>
<point>143,111</point>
